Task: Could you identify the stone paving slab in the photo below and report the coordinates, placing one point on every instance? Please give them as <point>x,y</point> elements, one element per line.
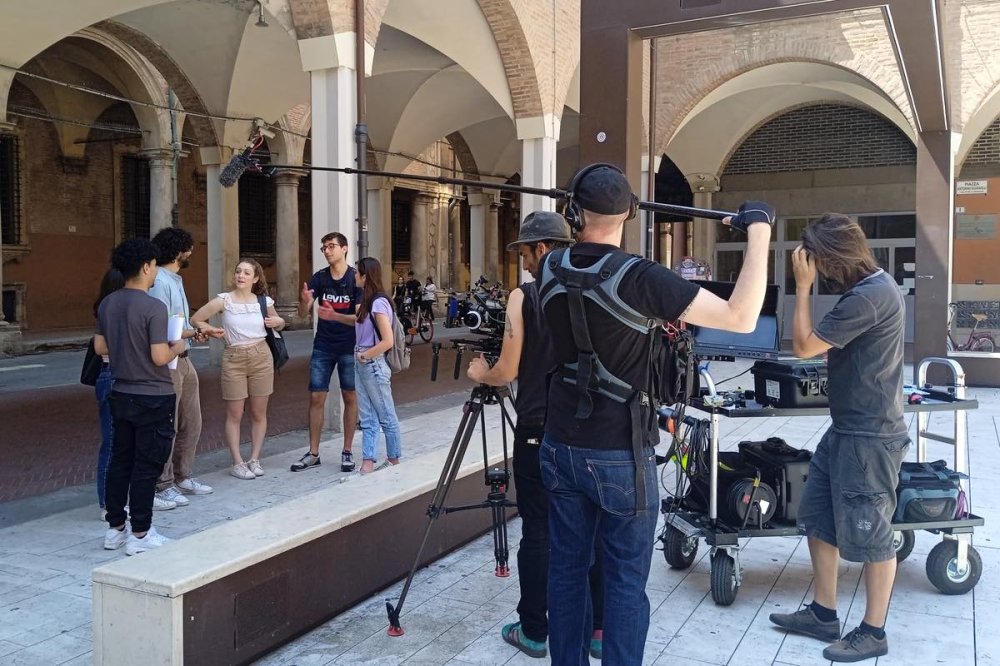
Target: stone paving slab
<point>456,606</point>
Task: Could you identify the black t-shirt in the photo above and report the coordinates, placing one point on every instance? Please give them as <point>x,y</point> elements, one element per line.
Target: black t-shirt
<point>649,288</point>
<point>342,296</point>
<point>414,289</point>
<point>536,360</point>
<point>865,364</point>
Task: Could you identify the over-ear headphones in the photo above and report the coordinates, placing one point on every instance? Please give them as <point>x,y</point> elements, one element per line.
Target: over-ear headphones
<point>573,212</point>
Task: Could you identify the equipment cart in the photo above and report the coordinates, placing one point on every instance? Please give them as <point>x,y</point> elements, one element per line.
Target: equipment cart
<point>953,566</point>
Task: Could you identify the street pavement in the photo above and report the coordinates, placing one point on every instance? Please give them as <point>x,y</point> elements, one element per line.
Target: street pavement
<point>457,606</point>
<point>50,432</point>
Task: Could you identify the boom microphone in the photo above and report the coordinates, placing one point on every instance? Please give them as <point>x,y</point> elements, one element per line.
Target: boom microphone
<point>237,165</point>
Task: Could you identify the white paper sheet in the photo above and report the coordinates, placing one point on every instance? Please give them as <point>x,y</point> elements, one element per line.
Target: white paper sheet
<point>175,329</point>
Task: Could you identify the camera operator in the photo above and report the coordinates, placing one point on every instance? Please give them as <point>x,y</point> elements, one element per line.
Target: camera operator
<point>602,307</point>
<point>850,495</point>
<point>526,356</point>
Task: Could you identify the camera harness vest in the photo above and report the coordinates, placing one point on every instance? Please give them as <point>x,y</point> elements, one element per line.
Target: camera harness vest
<point>599,284</point>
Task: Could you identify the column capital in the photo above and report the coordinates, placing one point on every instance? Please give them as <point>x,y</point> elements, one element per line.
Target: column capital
<point>7,128</point>
<point>157,156</point>
<point>215,155</point>
<point>289,176</point>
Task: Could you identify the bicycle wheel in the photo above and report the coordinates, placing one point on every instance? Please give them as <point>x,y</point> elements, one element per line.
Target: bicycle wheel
<point>426,330</point>
<point>407,328</point>
<point>983,345</point>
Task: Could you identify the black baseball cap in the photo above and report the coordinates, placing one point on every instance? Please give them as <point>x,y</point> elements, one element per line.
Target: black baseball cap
<point>604,190</point>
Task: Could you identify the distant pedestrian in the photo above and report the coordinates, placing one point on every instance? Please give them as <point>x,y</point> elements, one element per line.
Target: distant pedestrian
<point>132,331</point>
<point>247,364</point>
<point>375,338</point>
<point>428,298</point>
<point>175,246</point>
<point>111,282</point>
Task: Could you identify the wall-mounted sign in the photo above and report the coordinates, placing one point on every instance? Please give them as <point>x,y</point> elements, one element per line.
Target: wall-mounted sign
<point>971,186</point>
<point>975,227</point>
<point>959,210</point>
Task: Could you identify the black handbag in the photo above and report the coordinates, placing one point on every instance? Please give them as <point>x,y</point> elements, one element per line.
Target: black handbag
<point>91,366</point>
<point>276,343</point>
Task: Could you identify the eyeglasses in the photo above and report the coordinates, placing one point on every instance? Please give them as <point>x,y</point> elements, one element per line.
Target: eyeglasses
<point>330,246</point>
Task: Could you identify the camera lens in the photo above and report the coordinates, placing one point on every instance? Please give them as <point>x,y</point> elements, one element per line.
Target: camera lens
<point>472,319</point>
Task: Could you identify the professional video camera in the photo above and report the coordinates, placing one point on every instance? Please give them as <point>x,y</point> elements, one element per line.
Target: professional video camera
<point>485,311</point>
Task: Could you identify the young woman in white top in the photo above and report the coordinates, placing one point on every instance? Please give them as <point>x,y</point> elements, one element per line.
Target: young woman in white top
<point>372,377</point>
<point>247,365</point>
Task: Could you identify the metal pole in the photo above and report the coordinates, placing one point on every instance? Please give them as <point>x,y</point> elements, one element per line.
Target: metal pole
<point>175,151</point>
<point>651,234</point>
<point>361,130</point>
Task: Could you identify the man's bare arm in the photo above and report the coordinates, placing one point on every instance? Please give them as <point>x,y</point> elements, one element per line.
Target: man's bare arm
<point>505,370</point>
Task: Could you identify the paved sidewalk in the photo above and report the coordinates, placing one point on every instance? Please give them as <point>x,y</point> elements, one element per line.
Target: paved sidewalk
<point>457,605</point>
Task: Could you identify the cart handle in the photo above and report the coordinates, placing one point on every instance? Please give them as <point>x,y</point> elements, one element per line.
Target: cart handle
<point>957,374</point>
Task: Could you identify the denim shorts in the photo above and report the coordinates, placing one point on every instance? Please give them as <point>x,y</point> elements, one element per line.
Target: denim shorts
<point>850,495</point>
<point>321,367</point>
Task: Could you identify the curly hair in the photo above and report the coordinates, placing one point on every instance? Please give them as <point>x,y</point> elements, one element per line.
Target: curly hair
<point>131,255</point>
<point>171,242</point>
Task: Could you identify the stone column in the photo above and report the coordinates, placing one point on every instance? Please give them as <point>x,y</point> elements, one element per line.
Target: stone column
<point>493,241</point>
<point>477,235</point>
<point>455,226</point>
<point>286,298</point>
<point>223,206</point>
<point>703,232</point>
<point>161,189</point>
<point>539,144</point>
<point>419,236</point>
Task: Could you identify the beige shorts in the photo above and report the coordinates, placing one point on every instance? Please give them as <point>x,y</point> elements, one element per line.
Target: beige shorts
<point>247,370</point>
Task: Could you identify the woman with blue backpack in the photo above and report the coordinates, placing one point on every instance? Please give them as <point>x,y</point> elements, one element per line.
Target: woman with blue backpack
<point>374,332</point>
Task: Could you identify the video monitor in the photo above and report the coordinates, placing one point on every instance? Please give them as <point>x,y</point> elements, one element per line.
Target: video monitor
<point>764,342</point>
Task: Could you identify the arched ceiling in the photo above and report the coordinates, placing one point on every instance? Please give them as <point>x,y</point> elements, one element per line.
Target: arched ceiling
<point>977,123</point>
<point>717,124</point>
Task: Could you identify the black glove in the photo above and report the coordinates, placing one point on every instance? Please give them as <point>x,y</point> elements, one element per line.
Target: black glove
<point>752,212</point>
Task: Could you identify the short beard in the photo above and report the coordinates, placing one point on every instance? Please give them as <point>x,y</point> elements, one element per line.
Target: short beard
<point>184,264</point>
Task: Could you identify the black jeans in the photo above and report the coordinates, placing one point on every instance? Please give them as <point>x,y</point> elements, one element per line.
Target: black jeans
<point>143,437</point>
<point>533,553</point>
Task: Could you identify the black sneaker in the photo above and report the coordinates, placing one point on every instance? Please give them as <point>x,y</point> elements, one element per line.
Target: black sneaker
<point>305,462</point>
<point>346,462</point>
<point>804,621</point>
<point>857,645</point>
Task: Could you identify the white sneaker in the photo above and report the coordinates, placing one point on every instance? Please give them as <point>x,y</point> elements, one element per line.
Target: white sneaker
<point>242,471</point>
<point>161,504</point>
<point>193,487</point>
<point>171,494</point>
<point>254,466</point>
<point>153,539</point>
<point>115,539</point>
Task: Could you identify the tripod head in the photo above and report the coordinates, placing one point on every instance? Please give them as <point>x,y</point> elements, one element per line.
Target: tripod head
<point>488,346</point>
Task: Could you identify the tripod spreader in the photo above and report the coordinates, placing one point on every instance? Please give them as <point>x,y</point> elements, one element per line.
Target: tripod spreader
<point>495,477</point>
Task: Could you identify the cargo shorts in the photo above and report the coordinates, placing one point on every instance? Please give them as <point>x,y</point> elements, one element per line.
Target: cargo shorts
<point>850,495</point>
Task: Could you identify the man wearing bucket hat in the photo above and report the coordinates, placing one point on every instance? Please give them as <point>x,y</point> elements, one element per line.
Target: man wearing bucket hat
<point>525,355</point>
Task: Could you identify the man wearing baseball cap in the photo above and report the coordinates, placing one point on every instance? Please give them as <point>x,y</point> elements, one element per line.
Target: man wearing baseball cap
<point>526,356</point>
<point>603,308</point>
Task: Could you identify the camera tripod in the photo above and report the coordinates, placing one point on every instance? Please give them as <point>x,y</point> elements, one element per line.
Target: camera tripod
<point>495,477</point>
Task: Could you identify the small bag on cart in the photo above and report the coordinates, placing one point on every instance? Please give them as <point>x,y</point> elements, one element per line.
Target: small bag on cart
<point>929,492</point>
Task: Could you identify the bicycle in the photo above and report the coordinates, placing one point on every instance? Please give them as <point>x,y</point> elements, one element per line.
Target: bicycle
<point>416,323</point>
<point>978,340</point>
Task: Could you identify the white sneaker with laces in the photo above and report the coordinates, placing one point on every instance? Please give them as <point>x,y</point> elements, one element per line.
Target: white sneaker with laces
<point>153,539</point>
<point>171,494</point>
<point>115,539</point>
<point>161,504</point>
<point>193,486</point>
<point>254,466</point>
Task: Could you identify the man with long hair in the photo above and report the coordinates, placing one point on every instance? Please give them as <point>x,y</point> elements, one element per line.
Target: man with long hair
<point>333,347</point>
<point>849,499</point>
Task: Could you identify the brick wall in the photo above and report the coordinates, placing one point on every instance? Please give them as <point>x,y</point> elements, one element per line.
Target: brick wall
<point>986,149</point>
<point>823,136</point>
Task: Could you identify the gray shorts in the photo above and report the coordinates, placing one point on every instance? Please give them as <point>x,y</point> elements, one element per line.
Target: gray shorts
<point>850,495</point>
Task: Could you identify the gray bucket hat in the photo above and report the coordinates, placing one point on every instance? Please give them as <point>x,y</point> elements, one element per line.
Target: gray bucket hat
<point>542,225</point>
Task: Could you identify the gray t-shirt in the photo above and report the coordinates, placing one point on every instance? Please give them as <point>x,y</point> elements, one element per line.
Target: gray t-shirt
<point>865,365</point>
<point>130,321</point>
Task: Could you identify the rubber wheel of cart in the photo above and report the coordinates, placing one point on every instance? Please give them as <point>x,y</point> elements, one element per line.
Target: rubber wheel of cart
<point>679,550</point>
<point>944,573</point>
<point>903,541</point>
<point>724,585</point>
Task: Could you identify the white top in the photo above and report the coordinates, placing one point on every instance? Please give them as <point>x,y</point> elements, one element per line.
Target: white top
<point>429,294</point>
<point>243,322</point>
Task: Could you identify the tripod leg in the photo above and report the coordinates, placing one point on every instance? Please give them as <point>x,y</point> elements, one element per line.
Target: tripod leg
<point>500,551</point>
<point>448,474</point>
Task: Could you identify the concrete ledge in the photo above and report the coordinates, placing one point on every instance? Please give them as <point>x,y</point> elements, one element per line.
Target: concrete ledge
<point>235,591</point>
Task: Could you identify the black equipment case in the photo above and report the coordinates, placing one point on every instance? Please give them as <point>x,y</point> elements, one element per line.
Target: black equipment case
<point>929,492</point>
<point>790,383</point>
<point>784,468</point>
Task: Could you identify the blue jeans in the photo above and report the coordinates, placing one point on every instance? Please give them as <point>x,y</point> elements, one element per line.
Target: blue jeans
<point>592,497</point>
<point>322,365</point>
<point>102,391</point>
<point>376,409</point>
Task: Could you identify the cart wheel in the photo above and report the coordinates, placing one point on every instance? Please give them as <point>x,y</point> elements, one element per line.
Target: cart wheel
<point>724,585</point>
<point>943,571</point>
<point>679,550</point>
<point>903,541</point>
